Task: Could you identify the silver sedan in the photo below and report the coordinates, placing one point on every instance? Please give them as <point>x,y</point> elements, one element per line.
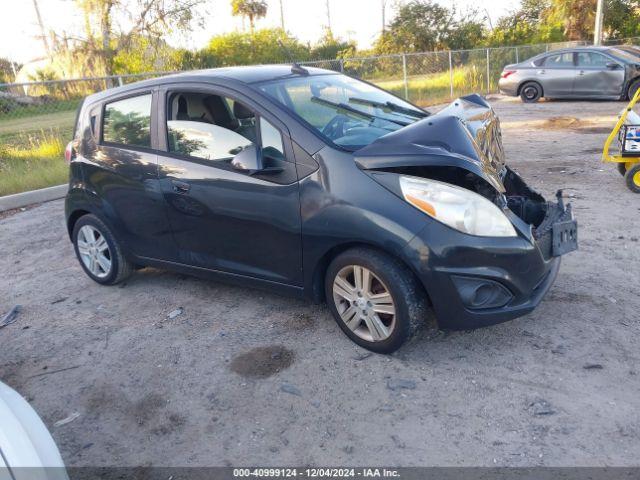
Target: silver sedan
<point>606,73</point>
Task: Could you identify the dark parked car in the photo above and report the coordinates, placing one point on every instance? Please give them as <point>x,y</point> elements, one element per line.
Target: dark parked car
<point>315,184</point>
<point>606,73</point>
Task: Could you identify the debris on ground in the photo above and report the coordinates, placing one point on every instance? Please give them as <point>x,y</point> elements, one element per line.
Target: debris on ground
<point>66,420</point>
<point>593,366</point>
<point>10,317</point>
<point>540,406</point>
<point>400,384</point>
<point>290,389</point>
<point>175,313</point>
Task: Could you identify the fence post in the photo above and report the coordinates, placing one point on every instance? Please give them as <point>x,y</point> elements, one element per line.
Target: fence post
<point>120,81</point>
<point>404,76</point>
<point>450,76</point>
<point>342,65</point>
<point>488,74</point>
<point>517,56</point>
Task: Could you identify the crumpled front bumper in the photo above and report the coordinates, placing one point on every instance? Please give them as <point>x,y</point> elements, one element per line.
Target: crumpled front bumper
<point>460,272</point>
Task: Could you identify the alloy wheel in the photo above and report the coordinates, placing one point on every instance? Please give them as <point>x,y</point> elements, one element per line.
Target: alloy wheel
<point>364,303</point>
<point>94,251</point>
<point>530,93</point>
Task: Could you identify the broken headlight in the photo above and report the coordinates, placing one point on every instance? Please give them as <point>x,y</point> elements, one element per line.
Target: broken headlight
<point>456,207</point>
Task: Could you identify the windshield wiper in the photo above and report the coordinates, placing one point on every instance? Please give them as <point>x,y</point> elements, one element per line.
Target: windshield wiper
<point>348,108</point>
<point>390,106</point>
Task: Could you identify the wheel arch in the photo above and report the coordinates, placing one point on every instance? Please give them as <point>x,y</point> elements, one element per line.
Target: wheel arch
<point>630,83</point>
<point>321,266</point>
<point>73,218</point>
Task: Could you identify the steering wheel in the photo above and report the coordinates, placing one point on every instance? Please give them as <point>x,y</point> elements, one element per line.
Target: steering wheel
<point>335,128</point>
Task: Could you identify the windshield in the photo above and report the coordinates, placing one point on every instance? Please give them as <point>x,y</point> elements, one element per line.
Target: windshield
<point>630,56</point>
<point>346,111</point>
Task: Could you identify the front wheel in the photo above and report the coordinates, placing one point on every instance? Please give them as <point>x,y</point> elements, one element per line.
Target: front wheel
<point>632,178</point>
<point>98,251</point>
<point>531,92</point>
<point>374,299</point>
<point>633,88</point>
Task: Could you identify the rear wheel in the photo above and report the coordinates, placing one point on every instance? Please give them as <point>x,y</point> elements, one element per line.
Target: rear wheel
<point>98,251</point>
<point>374,299</point>
<point>632,177</point>
<point>531,92</point>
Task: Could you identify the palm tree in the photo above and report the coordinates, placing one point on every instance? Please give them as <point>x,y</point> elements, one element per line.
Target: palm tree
<point>251,9</point>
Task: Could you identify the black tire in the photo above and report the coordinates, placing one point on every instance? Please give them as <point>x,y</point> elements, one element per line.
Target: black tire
<point>622,168</point>
<point>408,297</point>
<point>120,268</point>
<point>530,92</point>
<point>633,88</point>
<point>632,177</point>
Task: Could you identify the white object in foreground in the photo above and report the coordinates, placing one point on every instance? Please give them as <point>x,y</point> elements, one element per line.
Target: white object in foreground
<point>27,450</point>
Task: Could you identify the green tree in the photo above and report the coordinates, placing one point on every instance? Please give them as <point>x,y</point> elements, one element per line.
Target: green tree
<point>420,25</point>
<point>259,47</point>
<point>148,18</point>
<point>330,47</point>
<point>251,9</point>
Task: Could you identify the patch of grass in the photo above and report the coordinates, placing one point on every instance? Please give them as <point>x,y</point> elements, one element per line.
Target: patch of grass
<point>32,161</point>
<point>431,89</point>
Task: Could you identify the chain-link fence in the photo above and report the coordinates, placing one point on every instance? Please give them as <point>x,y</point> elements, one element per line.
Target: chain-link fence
<point>36,118</point>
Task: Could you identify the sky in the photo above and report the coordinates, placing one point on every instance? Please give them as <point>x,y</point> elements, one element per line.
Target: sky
<point>359,20</point>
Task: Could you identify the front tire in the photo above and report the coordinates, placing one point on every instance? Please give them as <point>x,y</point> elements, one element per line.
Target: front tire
<point>632,178</point>
<point>531,92</point>
<point>98,251</point>
<point>633,88</point>
<point>375,299</point>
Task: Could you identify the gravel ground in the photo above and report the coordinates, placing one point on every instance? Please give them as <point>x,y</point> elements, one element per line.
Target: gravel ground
<point>243,377</point>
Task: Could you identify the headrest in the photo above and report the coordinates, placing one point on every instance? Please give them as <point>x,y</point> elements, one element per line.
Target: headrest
<point>242,112</point>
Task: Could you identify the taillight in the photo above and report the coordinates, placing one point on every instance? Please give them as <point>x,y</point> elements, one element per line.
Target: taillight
<point>507,73</point>
<point>69,152</point>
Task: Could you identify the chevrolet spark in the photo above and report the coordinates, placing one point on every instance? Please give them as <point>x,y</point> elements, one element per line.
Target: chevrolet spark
<point>315,184</point>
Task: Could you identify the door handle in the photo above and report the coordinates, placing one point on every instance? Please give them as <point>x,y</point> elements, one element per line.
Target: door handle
<point>581,72</point>
<point>180,187</point>
<point>541,72</point>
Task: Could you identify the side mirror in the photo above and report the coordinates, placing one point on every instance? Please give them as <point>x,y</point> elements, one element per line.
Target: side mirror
<point>248,160</point>
<point>613,66</point>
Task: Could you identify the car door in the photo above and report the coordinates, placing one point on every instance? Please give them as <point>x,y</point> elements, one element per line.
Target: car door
<point>557,74</point>
<point>121,172</point>
<point>596,75</point>
<point>223,219</point>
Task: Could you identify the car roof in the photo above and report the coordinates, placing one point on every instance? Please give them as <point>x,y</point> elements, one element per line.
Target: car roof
<point>229,75</point>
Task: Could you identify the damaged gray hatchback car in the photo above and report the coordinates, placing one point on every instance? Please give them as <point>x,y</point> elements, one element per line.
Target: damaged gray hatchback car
<point>315,184</point>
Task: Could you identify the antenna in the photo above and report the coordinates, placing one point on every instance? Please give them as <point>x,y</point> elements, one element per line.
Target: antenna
<point>295,67</point>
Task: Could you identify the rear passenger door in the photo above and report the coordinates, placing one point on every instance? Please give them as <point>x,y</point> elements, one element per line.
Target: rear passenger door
<point>121,172</point>
<point>224,219</point>
<point>557,74</point>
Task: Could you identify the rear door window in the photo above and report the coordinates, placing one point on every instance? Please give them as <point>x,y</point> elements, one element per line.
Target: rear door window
<point>563,60</point>
<point>128,122</point>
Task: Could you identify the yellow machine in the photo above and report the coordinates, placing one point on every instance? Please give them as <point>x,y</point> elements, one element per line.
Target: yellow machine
<point>628,156</point>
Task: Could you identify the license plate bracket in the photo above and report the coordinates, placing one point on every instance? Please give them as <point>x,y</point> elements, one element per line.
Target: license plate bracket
<point>564,237</point>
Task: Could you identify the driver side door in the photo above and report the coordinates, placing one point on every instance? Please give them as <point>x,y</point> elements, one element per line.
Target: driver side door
<point>224,219</point>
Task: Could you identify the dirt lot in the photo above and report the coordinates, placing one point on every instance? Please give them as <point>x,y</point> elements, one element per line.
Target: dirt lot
<point>244,377</point>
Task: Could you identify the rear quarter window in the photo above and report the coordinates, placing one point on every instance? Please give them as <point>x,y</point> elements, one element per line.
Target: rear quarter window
<point>128,122</point>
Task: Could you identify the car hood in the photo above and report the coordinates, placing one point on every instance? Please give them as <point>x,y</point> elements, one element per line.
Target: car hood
<point>465,134</point>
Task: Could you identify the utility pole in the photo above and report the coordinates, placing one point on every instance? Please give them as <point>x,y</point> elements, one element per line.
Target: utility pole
<point>328,15</point>
<point>45,40</point>
<point>597,34</point>
<point>384,21</point>
<point>281,15</point>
